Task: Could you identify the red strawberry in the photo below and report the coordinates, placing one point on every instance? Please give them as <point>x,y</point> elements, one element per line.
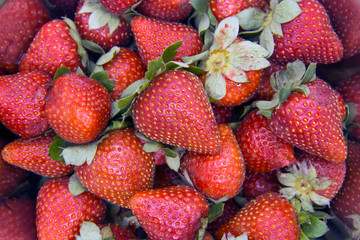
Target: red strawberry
<point>33,155</point>
<point>53,47</point>
<point>113,174</point>
<point>346,202</point>
<point>344,16</point>
<point>119,233</point>
<point>17,219</point>
<point>170,213</point>
<point>153,36</point>
<point>22,105</point>
<point>172,11</point>
<point>117,6</point>
<point>263,151</point>
<point>19,26</point>
<point>174,109</point>
<point>59,214</point>
<point>217,176</point>
<point>105,32</point>
<point>78,108</point>
<point>268,216</point>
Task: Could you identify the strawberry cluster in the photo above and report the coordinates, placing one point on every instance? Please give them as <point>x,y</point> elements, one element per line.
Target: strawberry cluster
<point>179,120</point>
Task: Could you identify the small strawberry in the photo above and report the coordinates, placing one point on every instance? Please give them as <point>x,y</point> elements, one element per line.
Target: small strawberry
<point>170,213</point>
<point>78,108</point>
<point>33,155</point>
<point>153,36</point>
<point>268,216</point>
<point>59,214</point>
<point>117,6</point>
<point>119,169</point>
<point>172,11</point>
<point>54,47</point>
<point>217,176</point>
<point>108,31</point>
<point>19,26</point>
<point>22,105</point>
<point>17,219</point>
<point>175,110</point>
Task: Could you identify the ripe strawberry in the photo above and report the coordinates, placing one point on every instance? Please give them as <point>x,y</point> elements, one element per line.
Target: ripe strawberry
<point>119,233</point>
<point>346,202</point>
<point>344,16</point>
<point>268,216</point>
<point>217,176</point>
<point>174,109</point>
<point>117,6</point>
<point>19,26</point>
<point>22,105</point>
<point>33,155</point>
<point>113,174</point>
<point>53,47</point>
<point>17,219</point>
<point>172,11</point>
<point>59,214</point>
<point>106,32</point>
<point>170,213</point>
<point>263,151</point>
<point>78,108</point>
<point>153,36</point>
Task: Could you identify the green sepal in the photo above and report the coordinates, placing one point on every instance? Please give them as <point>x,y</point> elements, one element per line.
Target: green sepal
<point>116,125</point>
<point>251,18</point>
<point>171,51</point>
<point>172,158</point>
<point>200,6</point>
<point>316,228</point>
<point>93,47</point>
<point>103,78</point>
<point>107,57</point>
<point>153,68</point>
<point>56,148</point>
<point>285,92</point>
<point>61,71</point>
<point>216,210</point>
<point>152,146</point>
<point>75,186</point>
<point>310,74</point>
<point>286,11</point>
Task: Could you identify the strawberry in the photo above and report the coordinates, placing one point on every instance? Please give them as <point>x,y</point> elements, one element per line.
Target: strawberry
<point>263,151</point>
<point>172,11</point>
<point>344,16</point>
<point>217,176</point>
<point>59,214</point>
<point>106,32</point>
<point>269,216</point>
<point>19,26</point>
<point>22,106</point>
<point>78,108</point>
<point>113,174</point>
<point>346,202</point>
<point>17,219</point>
<point>222,114</point>
<point>117,6</point>
<point>153,36</point>
<point>33,155</point>
<point>54,47</point>
<point>175,110</point>
<point>119,233</point>
<point>165,176</point>
<point>170,213</point>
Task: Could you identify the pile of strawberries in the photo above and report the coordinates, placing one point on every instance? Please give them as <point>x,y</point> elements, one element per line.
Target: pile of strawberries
<point>184,119</point>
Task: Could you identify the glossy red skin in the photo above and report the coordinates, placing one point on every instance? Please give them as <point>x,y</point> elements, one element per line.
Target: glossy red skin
<point>172,11</point>
<point>309,37</point>
<point>120,233</point>
<point>117,6</point>
<point>78,108</point>
<point>217,176</point>
<point>312,123</point>
<point>33,155</point>
<point>18,28</point>
<point>52,48</point>
<point>17,219</point>
<point>153,36</point>
<point>184,116</point>
<point>22,105</point>
<point>56,205</point>
<point>120,168</point>
<point>170,213</point>
<point>101,36</point>
<point>263,151</point>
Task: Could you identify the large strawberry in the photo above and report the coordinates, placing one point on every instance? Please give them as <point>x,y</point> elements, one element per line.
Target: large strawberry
<point>170,213</point>
<point>117,6</point>
<point>78,108</point>
<point>153,36</point>
<point>174,109</point>
<point>33,155</point>
<point>217,176</point>
<point>269,216</point>
<point>59,214</point>
<point>54,47</point>
<point>22,105</point>
<point>19,26</point>
<point>119,169</point>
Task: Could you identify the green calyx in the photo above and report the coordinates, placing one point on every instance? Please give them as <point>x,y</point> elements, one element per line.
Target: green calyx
<point>355,230</point>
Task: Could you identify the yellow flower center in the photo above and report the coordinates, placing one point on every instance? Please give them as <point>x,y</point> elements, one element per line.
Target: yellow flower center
<point>217,60</point>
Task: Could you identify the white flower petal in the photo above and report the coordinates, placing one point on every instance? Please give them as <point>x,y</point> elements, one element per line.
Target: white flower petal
<point>227,31</point>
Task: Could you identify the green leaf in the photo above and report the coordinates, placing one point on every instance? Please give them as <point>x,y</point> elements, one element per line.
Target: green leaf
<point>316,228</point>
<point>89,230</point>
<point>195,70</point>
<point>285,92</point>
<point>135,87</point>
<point>153,68</point>
<point>286,11</point>
<point>107,57</point>
<point>102,77</point>
<point>56,148</point>
<point>113,23</point>
<point>91,46</point>
<point>75,186</point>
<point>61,71</point>
<point>200,6</point>
<point>303,218</point>
<point>215,85</point>
<point>172,159</point>
<point>310,73</point>
<point>152,146</point>
<point>216,210</point>
<point>170,52</point>
<point>202,22</point>
<point>303,236</point>
<point>99,18</point>
<point>267,40</point>
<point>251,18</point>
